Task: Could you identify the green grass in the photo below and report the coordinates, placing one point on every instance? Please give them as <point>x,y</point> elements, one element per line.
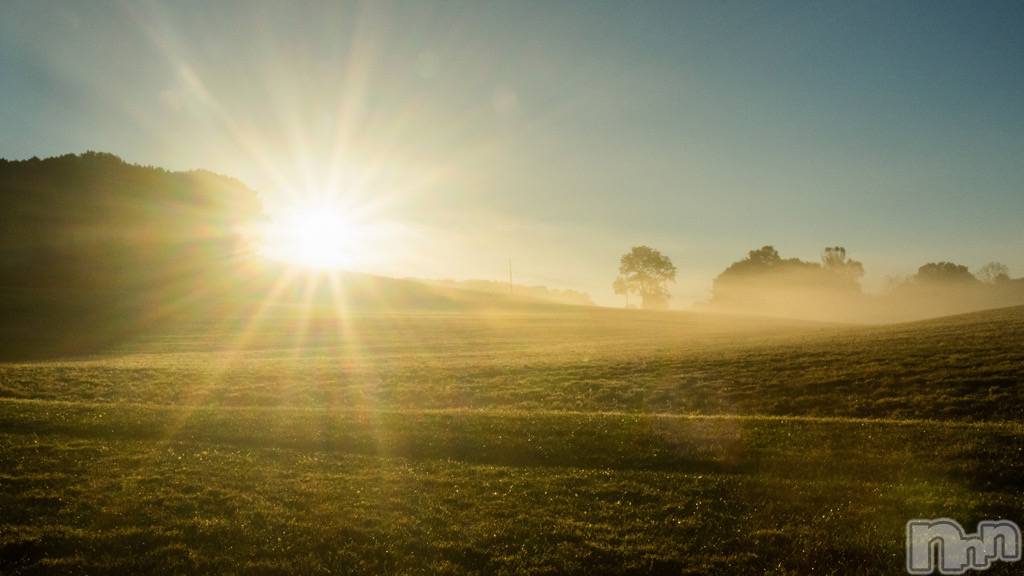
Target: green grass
<point>548,441</point>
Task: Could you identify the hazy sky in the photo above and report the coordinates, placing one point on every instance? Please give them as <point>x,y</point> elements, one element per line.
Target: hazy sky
<point>560,134</point>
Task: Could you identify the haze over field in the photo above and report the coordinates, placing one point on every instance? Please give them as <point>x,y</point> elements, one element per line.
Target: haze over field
<point>111,250</point>
<point>518,287</point>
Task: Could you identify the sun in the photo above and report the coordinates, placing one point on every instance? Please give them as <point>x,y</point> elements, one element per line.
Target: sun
<point>314,236</point>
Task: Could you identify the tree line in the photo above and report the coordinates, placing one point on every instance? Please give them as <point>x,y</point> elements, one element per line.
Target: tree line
<point>765,281</point>
<point>92,247</point>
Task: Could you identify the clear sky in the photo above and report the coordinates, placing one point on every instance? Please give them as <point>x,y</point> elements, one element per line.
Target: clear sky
<point>460,134</point>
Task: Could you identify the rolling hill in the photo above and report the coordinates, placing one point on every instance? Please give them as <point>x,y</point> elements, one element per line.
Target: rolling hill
<point>541,440</point>
<point>204,412</point>
<point>95,251</point>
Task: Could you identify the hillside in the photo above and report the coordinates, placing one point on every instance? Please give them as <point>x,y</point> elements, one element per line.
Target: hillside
<point>207,412</point>
<point>571,358</point>
<point>95,251</point>
<point>541,440</point>
<point>93,248</point>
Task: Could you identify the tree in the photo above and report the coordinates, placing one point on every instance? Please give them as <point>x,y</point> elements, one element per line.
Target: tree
<point>767,282</point>
<point>763,264</point>
<point>944,273</point>
<point>994,273</point>
<point>621,288</point>
<point>834,259</point>
<point>645,271</point>
<point>766,256</point>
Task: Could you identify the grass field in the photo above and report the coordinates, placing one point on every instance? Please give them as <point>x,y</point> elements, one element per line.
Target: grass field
<point>547,441</point>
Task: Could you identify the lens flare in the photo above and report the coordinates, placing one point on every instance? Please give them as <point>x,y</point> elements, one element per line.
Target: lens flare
<point>314,236</point>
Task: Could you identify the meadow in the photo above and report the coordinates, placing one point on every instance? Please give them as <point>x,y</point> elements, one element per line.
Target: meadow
<point>538,440</point>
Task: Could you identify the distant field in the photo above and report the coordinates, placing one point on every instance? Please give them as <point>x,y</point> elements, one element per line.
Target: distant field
<point>537,441</point>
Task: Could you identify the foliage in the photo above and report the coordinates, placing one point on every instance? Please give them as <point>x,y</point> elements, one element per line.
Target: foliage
<point>765,265</point>
<point>766,283</point>
<point>834,259</point>
<point>92,245</point>
<point>994,273</point>
<point>943,273</point>
<point>646,271</point>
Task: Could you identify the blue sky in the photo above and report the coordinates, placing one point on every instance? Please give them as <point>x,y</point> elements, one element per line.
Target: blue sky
<point>560,134</point>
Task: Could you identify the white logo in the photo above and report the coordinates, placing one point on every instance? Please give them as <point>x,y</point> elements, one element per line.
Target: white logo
<point>942,543</point>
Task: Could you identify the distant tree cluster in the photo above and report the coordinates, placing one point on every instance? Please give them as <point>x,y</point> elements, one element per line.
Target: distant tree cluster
<point>765,278</point>
<point>944,273</point>
<point>950,274</point>
<point>765,282</point>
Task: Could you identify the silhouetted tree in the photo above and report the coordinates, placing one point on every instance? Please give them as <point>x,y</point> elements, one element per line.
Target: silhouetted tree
<point>766,283</point>
<point>764,260</point>
<point>944,273</point>
<point>765,256</point>
<point>645,271</point>
<point>994,273</point>
<point>834,259</point>
<point>763,263</point>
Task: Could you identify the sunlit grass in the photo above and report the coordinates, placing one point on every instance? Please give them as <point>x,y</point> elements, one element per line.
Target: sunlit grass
<point>544,439</point>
